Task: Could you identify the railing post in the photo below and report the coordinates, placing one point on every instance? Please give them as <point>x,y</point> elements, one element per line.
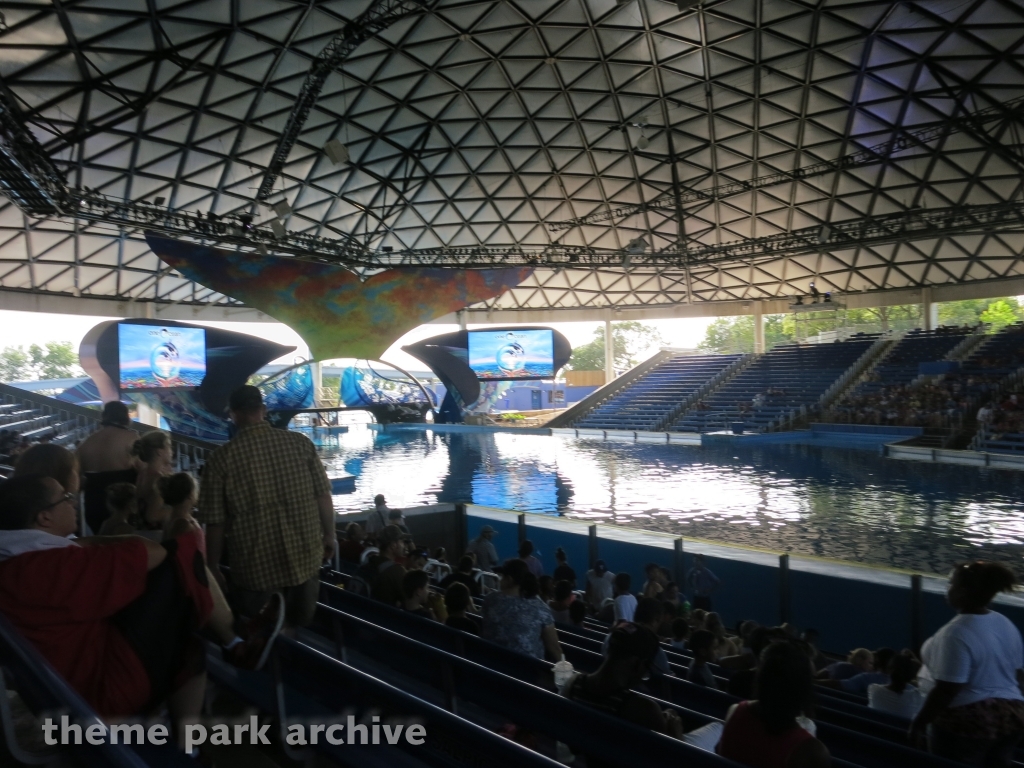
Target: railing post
<point>916,613</point>
<point>678,572</point>
<point>784,590</point>
<point>595,554</point>
<point>461,528</point>
<point>522,527</point>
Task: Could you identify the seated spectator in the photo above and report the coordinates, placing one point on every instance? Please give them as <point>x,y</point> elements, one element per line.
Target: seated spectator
<point>724,645</point>
<point>562,570</point>
<point>631,651</point>
<point>441,556</point>
<point>671,595</point>
<point>121,510</point>
<point>464,575</point>
<point>899,697</point>
<point>397,517</point>
<point>377,518</point>
<point>179,492</point>
<point>859,660</point>
<point>526,555</point>
<point>625,603</point>
<point>656,581</point>
<point>741,681</point>
<point>50,461</point>
<point>680,634</point>
<point>819,659</point>
<point>115,616</point>
<point>600,584</point>
<point>546,589</point>
<point>457,602</point>
<point>351,549</point>
<point>772,731</point>
<point>859,683</point>
<point>561,603</point>
<point>577,613</point>
<point>418,599</point>
<point>416,560</point>
<point>513,617</point>
<point>384,573</point>
<point>702,645</point>
<point>697,618</point>
<point>153,449</point>
<point>649,615</point>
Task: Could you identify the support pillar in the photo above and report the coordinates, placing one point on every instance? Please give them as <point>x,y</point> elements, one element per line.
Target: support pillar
<point>759,328</point>
<point>461,314</point>
<point>609,353</point>
<point>929,310</point>
<point>317,369</point>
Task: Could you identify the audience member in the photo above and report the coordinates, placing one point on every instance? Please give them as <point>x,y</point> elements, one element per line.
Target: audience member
<point>266,492</point>
<point>859,660</point>
<point>378,517</point>
<point>702,582</point>
<point>600,583</point>
<point>385,573</point>
<point>441,556</point>
<point>878,674</point>
<point>724,645</point>
<point>819,659</point>
<point>122,507</point>
<point>513,617</point>
<point>464,575</point>
<point>397,517</point>
<point>973,667</point>
<point>742,681</point>
<point>577,613</point>
<point>772,731</point>
<point>562,601</point>
<point>153,451</point>
<point>656,580</point>
<point>680,634</point>
<point>418,599</point>
<point>526,555</point>
<point>625,602</point>
<point>179,492</point>
<point>457,602</point>
<point>51,461</point>
<point>702,645</point>
<point>351,549</point>
<point>483,549</point>
<point>546,589</point>
<point>115,616</point>
<point>631,651</point>
<point>105,457</point>
<point>899,697</point>
<point>670,595</point>
<point>562,571</point>
<point>416,560</point>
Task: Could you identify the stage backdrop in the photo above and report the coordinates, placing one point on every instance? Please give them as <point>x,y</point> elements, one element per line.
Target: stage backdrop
<point>335,313</point>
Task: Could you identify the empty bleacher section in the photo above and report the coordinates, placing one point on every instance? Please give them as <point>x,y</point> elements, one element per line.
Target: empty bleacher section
<point>648,401</point>
<point>788,381</point>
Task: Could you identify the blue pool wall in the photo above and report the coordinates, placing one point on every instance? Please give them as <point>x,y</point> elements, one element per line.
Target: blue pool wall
<point>850,606</point>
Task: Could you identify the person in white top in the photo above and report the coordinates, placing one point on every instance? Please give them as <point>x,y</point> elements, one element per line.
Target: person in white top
<point>972,674</point>
<point>899,697</point>
<point>599,585</point>
<point>625,603</point>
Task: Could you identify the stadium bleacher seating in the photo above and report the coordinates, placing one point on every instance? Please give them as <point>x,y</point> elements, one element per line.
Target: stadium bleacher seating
<point>646,402</point>
<point>787,378</point>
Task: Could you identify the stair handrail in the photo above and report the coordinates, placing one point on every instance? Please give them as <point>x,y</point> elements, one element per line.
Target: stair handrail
<point>719,378</point>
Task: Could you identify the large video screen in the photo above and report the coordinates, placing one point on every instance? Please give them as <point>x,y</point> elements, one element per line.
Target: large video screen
<point>502,355</point>
<point>157,357</point>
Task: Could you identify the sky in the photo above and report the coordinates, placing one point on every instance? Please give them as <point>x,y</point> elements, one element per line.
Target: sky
<point>26,328</point>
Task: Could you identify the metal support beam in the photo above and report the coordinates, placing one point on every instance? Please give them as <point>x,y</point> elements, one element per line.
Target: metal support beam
<point>609,353</point>
<point>929,310</point>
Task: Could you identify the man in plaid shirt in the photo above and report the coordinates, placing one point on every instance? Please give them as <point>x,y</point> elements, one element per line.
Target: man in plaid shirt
<point>267,495</point>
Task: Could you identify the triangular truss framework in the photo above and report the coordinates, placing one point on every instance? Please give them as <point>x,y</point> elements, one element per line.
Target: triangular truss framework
<point>478,122</point>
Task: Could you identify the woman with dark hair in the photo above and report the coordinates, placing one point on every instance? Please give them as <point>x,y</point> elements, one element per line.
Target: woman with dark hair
<point>153,450</point>
<point>562,571</point>
<point>526,555</point>
<point>180,493</point>
<point>973,670</point>
<point>51,461</point>
<point>899,697</point>
<point>772,730</point>
<point>515,617</point>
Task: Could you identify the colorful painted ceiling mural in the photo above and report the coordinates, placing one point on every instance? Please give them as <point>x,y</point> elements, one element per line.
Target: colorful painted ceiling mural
<point>336,313</point>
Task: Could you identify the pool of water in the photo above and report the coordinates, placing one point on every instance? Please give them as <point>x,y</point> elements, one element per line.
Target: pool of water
<point>847,504</point>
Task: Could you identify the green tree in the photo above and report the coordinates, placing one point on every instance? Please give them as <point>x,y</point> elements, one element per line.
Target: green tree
<point>629,340</point>
<point>730,335</point>
<point>14,364</point>
<point>999,314</point>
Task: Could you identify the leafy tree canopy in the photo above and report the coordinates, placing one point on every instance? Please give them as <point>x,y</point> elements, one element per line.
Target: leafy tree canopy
<point>630,339</point>
<point>54,360</point>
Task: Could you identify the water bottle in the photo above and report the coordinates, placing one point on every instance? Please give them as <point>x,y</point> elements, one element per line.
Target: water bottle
<point>563,671</point>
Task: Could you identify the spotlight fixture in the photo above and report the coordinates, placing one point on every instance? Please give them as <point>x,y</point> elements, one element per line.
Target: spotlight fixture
<point>336,152</point>
<point>159,201</point>
<point>643,142</point>
<point>282,208</point>
<point>636,245</point>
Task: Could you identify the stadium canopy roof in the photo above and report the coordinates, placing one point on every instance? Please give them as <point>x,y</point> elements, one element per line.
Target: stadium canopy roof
<point>632,128</point>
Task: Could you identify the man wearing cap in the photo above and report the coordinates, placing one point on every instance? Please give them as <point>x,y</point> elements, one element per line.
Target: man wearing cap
<point>378,518</point>
<point>267,495</point>
<point>481,546</point>
<point>600,585</point>
<point>384,571</point>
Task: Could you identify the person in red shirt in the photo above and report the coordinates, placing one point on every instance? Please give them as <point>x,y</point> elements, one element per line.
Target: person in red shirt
<point>114,615</point>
